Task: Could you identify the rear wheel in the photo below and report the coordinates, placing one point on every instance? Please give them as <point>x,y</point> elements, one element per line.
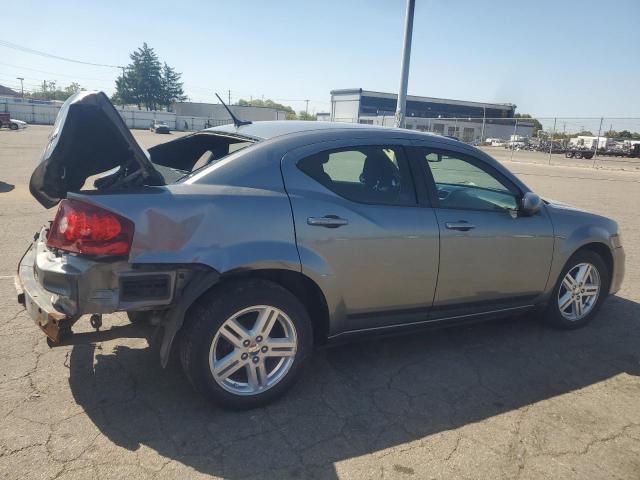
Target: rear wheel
<point>245,343</point>
<point>578,155</point>
<point>13,126</point>
<point>569,154</point>
<point>579,292</point>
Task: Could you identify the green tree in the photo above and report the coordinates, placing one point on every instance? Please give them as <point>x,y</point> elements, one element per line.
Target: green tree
<point>625,134</point>
<point>537,126</point>
<point>290,112</point>
<point>302,115</point>
<point>72,89</point>
<point>146,81</point>
<point>50,91</point>
<point>171,86</point>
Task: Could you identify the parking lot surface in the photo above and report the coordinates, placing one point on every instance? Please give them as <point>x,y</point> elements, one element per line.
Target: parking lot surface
<point>507,399</point>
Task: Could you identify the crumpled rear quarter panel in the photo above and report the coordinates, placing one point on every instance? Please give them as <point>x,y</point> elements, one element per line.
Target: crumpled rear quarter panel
<point>224,227</point>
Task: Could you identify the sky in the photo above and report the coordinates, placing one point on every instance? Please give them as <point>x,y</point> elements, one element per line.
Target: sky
<point>576,58</point>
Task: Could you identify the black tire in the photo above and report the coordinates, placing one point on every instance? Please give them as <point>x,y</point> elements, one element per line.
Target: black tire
<point>552,315</point>
<point>207,316</point>
<point>13,126</point>
<point>578,155</point>
<point>568,154</point>
<point>588,156</point>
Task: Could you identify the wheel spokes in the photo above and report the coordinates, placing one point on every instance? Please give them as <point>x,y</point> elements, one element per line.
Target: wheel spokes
<point>590,290</point>
<point>235,333</point>
<point>265,321</point>
<point>579,291</point>
<point>281,347</point>
<point>228,365</point>
<point>578,307</point>
<point>256,374</point>
<point>565,301</point>
<point>569,282</point>
<point>583,273</point>
<point>244,358</point>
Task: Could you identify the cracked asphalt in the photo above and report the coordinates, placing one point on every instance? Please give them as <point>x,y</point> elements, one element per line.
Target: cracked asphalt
<point>504,399</point>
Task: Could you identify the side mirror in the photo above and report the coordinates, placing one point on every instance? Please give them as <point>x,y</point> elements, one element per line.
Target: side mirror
<point>531,204</point>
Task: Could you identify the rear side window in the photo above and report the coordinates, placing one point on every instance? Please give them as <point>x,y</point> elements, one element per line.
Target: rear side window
<point>367,174</point>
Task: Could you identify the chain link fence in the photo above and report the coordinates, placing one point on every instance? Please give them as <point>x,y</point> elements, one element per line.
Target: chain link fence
<point>45,113</point>
<point>594,141</point>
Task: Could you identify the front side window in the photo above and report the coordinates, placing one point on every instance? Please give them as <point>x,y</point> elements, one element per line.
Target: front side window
<point>366,174</point>
<point>462,184</point>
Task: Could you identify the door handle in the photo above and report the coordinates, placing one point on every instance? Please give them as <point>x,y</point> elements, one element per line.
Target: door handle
<point>461,225</point>
<point>328,221</point>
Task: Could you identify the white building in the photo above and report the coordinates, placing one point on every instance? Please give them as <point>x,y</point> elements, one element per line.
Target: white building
<point>468,121</point>
<point>216,111</point>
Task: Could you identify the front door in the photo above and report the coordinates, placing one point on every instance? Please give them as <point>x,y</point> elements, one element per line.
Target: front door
<point>362,234</point>
<point>491,257</point>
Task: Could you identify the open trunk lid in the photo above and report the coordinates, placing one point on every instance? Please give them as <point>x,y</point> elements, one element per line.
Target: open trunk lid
<point>89,137</point>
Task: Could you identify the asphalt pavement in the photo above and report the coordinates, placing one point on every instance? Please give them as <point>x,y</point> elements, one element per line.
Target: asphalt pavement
<point>504,399</point>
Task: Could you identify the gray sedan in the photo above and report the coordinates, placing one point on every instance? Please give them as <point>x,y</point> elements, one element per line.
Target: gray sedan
<point>249,244</point>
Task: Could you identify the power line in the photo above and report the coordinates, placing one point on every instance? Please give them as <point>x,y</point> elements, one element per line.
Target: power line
<point>18,67</point>
<point>22,48</point>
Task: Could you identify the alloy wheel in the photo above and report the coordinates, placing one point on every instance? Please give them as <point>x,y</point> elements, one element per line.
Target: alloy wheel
<point>253,350</point>
<point>579,291</point>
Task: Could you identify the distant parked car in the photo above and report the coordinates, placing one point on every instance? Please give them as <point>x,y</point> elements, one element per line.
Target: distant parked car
<point>11,123</point>
<point>160,127</point>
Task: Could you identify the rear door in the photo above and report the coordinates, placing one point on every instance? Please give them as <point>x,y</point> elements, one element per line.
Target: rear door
<point>361,232</point>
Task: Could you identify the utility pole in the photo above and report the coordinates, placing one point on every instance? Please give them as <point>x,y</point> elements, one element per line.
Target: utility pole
<point>484,115</point>
<point>553,134</point>
<point>229,95</point>
<point>124,85</point>
<point>306,108</point>
<point>21,85</point>
<point>404,68</point>
<point>595,153</point>
<point>513,138</point>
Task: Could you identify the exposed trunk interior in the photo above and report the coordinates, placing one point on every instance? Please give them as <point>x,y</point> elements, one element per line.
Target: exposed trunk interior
<point>91,138</point>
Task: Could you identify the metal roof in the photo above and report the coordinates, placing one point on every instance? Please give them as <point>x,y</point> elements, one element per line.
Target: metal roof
<point>370,93</point>
<point>269,129</point>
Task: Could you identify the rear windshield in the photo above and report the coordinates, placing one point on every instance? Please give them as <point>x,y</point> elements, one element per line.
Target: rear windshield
<point>180,158</point>
<point>233,152</point>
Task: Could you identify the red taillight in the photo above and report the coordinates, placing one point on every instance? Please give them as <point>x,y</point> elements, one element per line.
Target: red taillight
<point>87,229</point>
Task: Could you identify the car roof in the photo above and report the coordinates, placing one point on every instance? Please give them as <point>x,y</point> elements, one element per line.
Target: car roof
<point>265,130</point>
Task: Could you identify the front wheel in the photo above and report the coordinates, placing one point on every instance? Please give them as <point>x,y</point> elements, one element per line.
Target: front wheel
<point>245,343</point>
<point>581,288</point>
<point>13,126</point>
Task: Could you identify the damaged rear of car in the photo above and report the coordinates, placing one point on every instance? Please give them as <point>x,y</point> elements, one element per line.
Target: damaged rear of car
<point>148,236</point>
